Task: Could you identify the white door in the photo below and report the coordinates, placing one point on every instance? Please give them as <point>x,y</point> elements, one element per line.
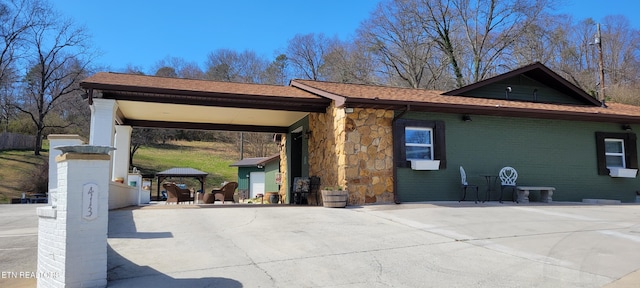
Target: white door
<point>256,182</point>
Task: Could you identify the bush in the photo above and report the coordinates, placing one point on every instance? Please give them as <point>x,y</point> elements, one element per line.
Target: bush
<point>36,180</point>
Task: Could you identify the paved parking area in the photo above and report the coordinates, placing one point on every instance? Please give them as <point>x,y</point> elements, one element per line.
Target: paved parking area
<point>18,245</point>
<point>408,245</point>
<point>440,244</point>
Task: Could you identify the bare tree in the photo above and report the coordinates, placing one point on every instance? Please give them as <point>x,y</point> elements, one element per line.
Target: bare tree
<point>7,112</point>
<point>487,29</point>
<point>306,53</point>
<point>621,45</point>
<point>58,58</point>
<point>167,72</point>
<point>400,45</point>
<point>16,18</point>
<point>350,62</point>
<point>230,66</point>
<point>417,39</point>
<point>257,144</point>
<point>182,68</point>
<point>276,73</point>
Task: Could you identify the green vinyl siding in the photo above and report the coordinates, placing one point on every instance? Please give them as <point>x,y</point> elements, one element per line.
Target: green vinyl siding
<point>271,169</point>
<point>554,153</point>
<point>522,88</point>
<point>243,179</point>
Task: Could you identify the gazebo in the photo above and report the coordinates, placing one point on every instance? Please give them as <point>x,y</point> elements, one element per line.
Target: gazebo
<point>181,172</point>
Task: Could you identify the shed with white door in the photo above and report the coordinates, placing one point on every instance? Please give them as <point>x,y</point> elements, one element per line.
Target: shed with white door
<point>258,175</point>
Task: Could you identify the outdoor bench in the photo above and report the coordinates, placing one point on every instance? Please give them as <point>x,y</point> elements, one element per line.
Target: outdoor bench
<point>546,193</point>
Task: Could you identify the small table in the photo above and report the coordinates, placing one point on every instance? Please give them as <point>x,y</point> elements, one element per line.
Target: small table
<point>490,185</point>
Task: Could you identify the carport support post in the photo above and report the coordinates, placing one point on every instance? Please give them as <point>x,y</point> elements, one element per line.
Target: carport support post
<point>103,119</point>
<point>121,154</point>
<point>72,232</point>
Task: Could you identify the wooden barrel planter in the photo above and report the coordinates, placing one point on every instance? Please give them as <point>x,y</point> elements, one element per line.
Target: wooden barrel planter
<point>334,198</point>
<point>273,197</point>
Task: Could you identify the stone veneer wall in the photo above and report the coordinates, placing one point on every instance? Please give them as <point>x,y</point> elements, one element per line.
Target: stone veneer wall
<point>283,169</point>
<point>353,151</point>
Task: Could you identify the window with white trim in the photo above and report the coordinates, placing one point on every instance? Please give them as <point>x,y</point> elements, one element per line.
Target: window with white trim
<point>418,143</point>
<point>614,152</point>
<point>419,140</point>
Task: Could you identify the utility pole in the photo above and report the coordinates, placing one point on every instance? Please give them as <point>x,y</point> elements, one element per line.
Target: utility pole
<point>241,145</point>
<point>598,41</point>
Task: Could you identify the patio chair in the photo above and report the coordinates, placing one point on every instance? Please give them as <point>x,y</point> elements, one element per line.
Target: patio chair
<point>465,186</point>
<point>176,194</point>
<point>301,189</point>
<point>508,176</point>
<point>223,194</point>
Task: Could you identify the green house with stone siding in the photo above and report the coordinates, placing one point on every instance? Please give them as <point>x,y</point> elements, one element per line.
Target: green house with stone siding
<point>553,133</point>
<point>392,145</point>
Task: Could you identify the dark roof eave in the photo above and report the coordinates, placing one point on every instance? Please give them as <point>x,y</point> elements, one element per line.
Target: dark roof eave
<point>205,126</point>
<point>492,111</point>
<point>528,113</point>
<point>187,97</point>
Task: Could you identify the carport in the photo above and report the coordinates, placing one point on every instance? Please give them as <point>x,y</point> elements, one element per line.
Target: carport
<point>119,102</point>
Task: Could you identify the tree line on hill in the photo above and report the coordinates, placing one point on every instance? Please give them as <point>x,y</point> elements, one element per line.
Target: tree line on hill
<point>421,44</point>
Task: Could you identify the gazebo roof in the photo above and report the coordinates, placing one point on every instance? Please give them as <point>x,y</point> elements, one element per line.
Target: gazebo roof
<point>182,172</point>
<point>250,162</point>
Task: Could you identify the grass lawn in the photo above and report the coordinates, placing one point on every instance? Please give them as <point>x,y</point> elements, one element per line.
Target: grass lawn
<point>16,167</point>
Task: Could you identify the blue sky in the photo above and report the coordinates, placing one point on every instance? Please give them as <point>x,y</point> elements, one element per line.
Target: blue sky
<point>142,32</point>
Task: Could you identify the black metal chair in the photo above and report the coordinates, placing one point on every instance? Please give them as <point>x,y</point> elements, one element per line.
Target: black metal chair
<point>465,186</point>
<point>301,189</point>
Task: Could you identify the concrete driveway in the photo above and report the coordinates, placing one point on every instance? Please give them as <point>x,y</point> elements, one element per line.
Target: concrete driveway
<point>410,245</point>
<point>18,245</point>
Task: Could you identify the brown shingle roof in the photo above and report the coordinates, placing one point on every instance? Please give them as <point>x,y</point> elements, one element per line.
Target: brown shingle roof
<point>129,82</point>
<point>356,95</point>
<point>538,72</point>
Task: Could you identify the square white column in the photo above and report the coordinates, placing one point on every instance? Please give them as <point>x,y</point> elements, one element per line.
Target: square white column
<point>103,122</point>
<point>121,154</point>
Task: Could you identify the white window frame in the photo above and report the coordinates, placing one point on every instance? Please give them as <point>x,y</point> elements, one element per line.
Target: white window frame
<point>615,154</point>
<point>430,145</point>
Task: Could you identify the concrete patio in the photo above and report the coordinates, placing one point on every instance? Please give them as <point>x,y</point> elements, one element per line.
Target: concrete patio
<point>436,244</point>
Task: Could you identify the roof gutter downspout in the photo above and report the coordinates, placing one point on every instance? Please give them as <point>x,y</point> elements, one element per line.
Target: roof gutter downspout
<point>396,199</point>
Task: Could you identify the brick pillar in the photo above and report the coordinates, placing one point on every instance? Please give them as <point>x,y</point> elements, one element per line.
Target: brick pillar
<point>72,232</point>
<point>54,141</point>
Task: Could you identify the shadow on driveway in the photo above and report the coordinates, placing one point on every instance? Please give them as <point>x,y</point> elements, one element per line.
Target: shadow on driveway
<point>121,272</point>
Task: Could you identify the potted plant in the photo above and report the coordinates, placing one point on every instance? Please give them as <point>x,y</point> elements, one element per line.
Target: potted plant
<point>334,197</point>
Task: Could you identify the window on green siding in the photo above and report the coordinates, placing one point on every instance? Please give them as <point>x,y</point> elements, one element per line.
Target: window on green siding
<point>418,140</point>
<point>614,150</point>
<point>419,143</point>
